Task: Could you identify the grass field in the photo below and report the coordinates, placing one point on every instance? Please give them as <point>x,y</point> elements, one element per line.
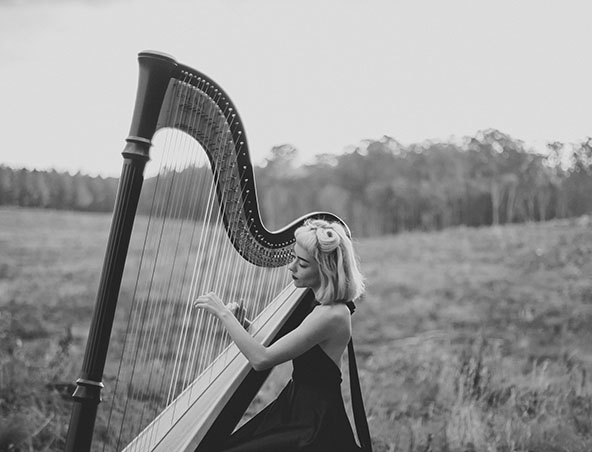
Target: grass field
<point>467,339</point>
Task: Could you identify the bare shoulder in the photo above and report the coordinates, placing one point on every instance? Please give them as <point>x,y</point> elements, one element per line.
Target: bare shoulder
<point>334,314</point>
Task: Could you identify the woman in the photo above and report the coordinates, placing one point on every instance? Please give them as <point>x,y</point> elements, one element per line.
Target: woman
<point>309,414</point>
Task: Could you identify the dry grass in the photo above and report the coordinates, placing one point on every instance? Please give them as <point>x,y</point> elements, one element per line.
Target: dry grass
<point>468,339</point>
<point>479,339</point>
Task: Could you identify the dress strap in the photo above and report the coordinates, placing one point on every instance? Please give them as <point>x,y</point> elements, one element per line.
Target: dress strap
<point>351,306</point>
<point>356,395</point>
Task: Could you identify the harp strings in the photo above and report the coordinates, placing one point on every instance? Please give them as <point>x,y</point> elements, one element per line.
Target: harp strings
<point>185,252</point>
<point>146,301</point>
<point>197,265</point>
<point>146,290</point>
<point>179,260</point>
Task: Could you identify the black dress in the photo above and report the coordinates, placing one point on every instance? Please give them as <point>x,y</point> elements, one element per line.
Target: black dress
<point>308,415</point>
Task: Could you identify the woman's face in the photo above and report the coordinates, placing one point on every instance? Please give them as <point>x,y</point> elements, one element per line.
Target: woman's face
<point>304,269</point>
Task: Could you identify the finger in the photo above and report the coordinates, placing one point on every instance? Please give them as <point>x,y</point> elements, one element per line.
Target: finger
<point>200,302</point>
<point>205,297</point>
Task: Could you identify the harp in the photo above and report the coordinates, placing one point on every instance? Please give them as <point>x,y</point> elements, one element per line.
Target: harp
<point>181,385</point>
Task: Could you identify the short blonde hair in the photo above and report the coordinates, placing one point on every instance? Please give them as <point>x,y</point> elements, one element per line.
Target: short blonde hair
<point>333,251</point>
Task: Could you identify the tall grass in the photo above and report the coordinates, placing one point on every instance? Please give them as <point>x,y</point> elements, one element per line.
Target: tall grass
<point>467,339</point>
<point>479,339</point>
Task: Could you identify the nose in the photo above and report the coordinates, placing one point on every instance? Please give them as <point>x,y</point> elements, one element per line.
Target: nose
<point>291,265</point>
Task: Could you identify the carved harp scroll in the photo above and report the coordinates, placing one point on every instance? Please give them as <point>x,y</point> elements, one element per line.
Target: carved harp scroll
<point>213,386</point>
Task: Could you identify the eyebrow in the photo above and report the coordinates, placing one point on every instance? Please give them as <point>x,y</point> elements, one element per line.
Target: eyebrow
<point>299,257</point>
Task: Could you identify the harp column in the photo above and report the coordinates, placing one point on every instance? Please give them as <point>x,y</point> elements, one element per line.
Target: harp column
<point>155,73</point>
<point>87,395</point>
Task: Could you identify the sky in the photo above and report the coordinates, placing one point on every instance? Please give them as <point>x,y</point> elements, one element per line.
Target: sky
<point>321,75</point>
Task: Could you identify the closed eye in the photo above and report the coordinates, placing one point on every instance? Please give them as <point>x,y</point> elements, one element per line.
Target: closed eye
<point>302,263</point>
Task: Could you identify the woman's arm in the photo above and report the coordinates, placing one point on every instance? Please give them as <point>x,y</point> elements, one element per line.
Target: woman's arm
<point>314,329</point>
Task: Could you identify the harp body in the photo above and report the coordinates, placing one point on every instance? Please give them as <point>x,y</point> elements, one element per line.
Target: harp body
<point>205,404</point>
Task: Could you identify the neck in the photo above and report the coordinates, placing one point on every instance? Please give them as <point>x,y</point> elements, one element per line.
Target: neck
<point>316,290</point>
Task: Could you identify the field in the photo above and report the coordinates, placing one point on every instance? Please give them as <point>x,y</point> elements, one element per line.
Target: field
<point>467,339</point>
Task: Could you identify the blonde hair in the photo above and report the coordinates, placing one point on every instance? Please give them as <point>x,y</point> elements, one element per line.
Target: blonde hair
<point>333,251</point>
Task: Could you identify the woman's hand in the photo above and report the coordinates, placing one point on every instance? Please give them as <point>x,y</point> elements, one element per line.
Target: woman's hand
<point>211,303</point>
<point>239,311</point>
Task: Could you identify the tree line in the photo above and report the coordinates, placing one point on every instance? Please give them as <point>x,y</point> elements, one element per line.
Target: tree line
<point>380,186</point>
<point>56,190</point>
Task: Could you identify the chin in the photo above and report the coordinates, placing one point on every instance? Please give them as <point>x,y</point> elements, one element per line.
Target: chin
<point>299,284</point>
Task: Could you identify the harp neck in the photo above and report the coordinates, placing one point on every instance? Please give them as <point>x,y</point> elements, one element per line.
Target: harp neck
<point>172,95</point>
